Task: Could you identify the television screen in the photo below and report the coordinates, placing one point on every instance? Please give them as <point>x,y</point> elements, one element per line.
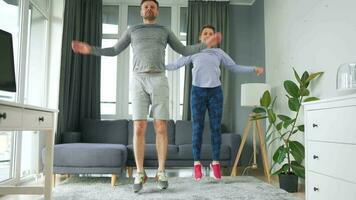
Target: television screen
<point>7,67</point>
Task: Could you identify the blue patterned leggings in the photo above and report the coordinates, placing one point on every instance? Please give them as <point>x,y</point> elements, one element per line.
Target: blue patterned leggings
<point>202,99</point>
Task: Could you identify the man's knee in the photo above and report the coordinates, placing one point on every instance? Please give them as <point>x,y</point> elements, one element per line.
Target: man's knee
<point>161,126</point>
<point>140,127</point>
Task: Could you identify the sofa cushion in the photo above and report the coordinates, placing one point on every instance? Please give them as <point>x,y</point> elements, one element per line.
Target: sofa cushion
<point>186,152</point>
<point>89,155</point>
<point>151,153</point>
<point>184,133</point>
<point>104,131</point>
<point>150,132</point>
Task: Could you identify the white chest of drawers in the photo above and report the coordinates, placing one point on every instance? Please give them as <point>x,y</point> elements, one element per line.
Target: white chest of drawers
<point>18,117</point>
<point>330,145</point>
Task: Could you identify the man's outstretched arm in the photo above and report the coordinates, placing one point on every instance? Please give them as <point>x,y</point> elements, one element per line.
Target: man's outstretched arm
<point>85,48</point>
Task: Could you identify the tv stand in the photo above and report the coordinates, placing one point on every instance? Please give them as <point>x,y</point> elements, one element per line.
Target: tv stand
<point>19,117</point>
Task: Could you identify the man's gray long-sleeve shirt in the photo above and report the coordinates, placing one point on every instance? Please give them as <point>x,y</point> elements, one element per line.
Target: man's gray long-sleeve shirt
<point>148,42</point>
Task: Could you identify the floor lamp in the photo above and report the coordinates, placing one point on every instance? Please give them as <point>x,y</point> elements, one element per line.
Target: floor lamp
<point>250,97</point>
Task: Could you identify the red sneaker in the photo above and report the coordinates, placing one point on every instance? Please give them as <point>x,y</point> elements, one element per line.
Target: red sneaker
<point>216,171</point>
<point>197,172</point>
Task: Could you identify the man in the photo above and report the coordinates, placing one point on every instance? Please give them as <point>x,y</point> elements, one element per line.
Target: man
<point>149,84</point>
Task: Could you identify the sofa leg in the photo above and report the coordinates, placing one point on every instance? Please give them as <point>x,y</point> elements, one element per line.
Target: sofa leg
<point>113,179</point>
<point>129,171</point>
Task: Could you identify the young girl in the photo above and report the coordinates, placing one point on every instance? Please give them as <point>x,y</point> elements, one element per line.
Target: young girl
<point>206,93</point>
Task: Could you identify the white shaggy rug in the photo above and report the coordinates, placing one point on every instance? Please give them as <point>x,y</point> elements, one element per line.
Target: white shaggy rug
<point>236,188</point>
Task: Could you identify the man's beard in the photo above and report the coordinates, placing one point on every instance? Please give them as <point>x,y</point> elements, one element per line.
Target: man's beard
<point>149,16</point>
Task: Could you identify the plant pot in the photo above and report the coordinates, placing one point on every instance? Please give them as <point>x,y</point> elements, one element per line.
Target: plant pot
<point>288,182</point>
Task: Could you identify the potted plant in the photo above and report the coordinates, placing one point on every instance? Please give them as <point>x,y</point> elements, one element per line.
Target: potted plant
<point>288,157</point>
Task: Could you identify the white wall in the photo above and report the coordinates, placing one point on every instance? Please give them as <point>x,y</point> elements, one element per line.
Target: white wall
<point>312,35</point>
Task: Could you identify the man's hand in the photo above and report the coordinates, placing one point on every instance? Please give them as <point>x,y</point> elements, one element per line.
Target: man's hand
<point>81,47</point>
<point>259,70</point>
<point>215,40</point>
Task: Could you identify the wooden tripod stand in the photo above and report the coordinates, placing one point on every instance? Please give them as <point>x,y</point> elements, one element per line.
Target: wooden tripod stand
<point>257,127</point>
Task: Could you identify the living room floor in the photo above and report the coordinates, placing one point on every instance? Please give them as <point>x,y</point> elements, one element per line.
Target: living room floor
<point>186,172</point>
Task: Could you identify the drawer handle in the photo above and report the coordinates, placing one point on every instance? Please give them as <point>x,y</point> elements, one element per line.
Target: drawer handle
<point>315,125</point>
<point>315,157</point>
<point>315,189</point>
<point>41,119</point>
<point>2,115</point>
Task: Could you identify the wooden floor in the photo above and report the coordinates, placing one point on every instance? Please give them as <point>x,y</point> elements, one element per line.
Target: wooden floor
<point>258,173</point>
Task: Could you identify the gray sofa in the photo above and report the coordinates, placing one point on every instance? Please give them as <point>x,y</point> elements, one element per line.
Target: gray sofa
<point>105,147</point>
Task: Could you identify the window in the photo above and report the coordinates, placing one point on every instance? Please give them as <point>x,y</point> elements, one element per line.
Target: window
<point>109,64</point>
<point>42,4</point>
<point>35,88</point>
<point>6,155</point>
<point>110,20</point>
<point>108,81</point>
<point>35,84</point>
<point>8,11</point>
<point>183,21</point>
<point>30,151</point>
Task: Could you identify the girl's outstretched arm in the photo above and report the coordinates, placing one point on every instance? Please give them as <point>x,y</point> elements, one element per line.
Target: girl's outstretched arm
<point>227,61</point>
<point>180,62</point>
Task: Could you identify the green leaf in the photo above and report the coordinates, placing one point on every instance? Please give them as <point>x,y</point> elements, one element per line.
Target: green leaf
<point>259,110</point>
<point>265,101</point>
<point>287,123</point>
<point>279,126</point>
<point>298,169</point>
<point>271,116</point>
<point>259,117</point>
<point>283,169</point>
<point>294,104</point>
<point>304,92</point>
<point>280,154</point>
<point>291,88</point>
<point>297,77</point>
<point>297,150</point>
<point>283,117</point>
<point>311,99</point>
<point>313,76</point>
<point>301,128</point>
<point>286,168</point>
<point>304,78</point>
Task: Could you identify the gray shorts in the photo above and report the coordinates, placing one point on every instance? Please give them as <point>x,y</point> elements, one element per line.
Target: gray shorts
<point>150,89</point>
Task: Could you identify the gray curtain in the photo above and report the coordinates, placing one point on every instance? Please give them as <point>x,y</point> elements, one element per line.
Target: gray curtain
<point>215,13</point>
<point>79,93</point>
